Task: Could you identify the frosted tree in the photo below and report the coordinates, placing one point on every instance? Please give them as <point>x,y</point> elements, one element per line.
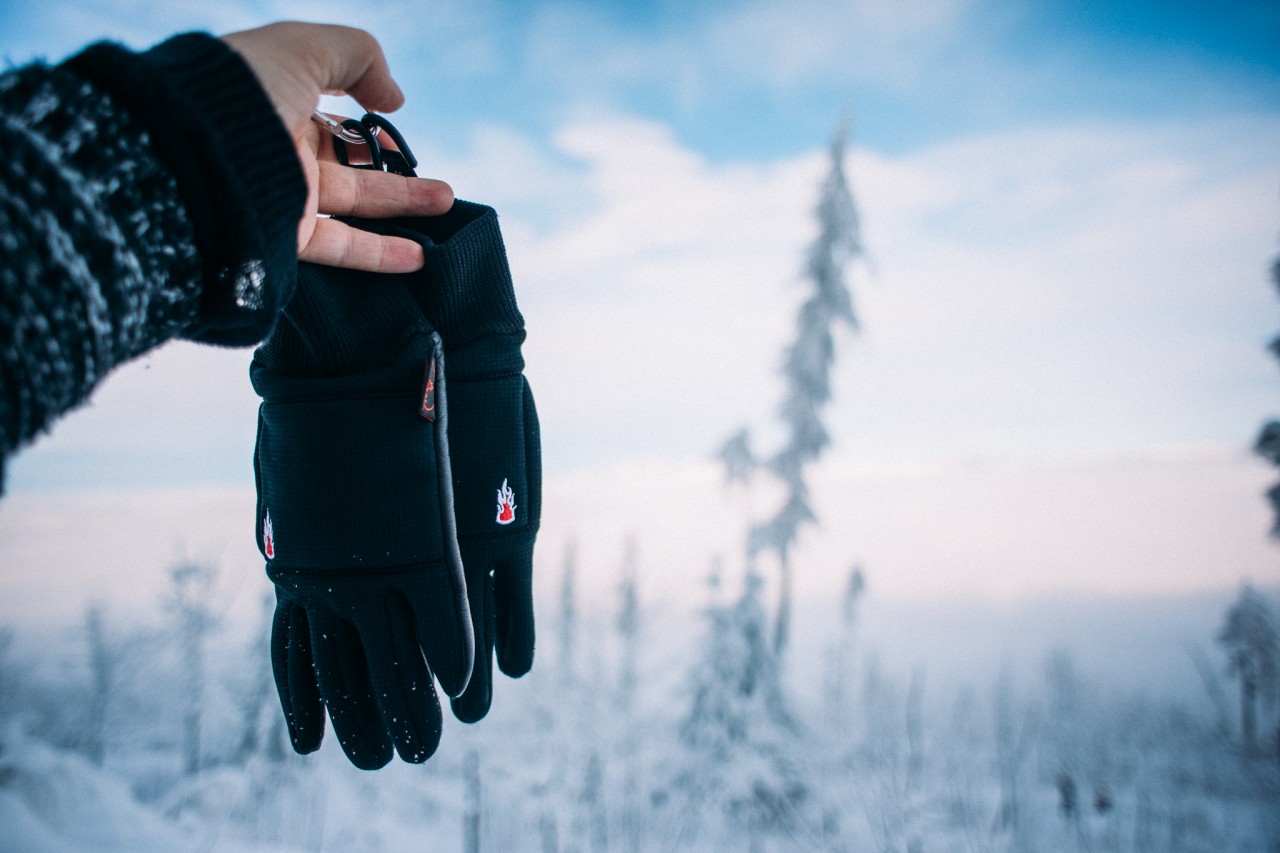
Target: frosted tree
<point>568,611</point>
<point>190,599</point>
<point>628,626</point>
<point>1015,732</point>
<point>741,740</point>
<point>1268,441</point>
<point>806,370</point>
<point>596,830</point>
<point>1211,678</point>
<point>254,694</point>
<point>103,662</point>
<point>736,681</point>
<point>737,457</point>
<point>1249,636</point>
<point>840,658</point>
<point>474,808</point>
<point>915,728</point>
<point>8,679</point>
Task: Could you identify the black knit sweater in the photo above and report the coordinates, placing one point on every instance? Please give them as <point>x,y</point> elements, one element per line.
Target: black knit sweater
<point>143,197</point>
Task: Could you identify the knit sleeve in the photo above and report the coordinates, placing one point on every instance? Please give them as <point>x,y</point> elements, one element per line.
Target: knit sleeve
<point>130,214</point>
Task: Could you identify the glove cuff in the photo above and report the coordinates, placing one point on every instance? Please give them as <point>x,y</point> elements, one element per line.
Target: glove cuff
<point>341,323</point>
<point>465,286</point>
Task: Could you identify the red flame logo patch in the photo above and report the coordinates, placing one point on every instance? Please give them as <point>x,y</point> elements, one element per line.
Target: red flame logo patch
<point>268,540</point>
<point>506,504</point>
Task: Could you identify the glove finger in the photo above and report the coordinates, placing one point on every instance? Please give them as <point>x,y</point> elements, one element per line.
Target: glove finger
<point>295,678</point>
<point>513,577</point>
<point>402,682</point>
<point>343,678</point>
<point>444,629</point>
<point>513,614</point>
<point>474,702</point>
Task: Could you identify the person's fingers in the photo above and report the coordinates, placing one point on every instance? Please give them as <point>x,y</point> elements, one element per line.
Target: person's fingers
<point>367,192</point>
<point>350,61</point>
<point>311,172</point>
<point>336,244</point>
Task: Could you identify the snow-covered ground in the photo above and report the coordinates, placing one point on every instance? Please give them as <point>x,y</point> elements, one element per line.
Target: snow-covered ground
<point>564,762</point>
<point>952,727</point>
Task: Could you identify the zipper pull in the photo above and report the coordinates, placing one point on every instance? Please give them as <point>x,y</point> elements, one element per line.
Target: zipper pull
<point>428,409</point>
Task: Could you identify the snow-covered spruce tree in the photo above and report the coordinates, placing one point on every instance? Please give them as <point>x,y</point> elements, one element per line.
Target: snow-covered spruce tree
<point>628,625</point>
<point>103,663</point>
<point>1249,635</point>
<point>568,612</point>
<point>8,679</point>
<point>740,738</point>
<point>255,692</point>
<point>807,373</point>
<point>1268,441</point>
<point>1211,678</point>
<point>1064,737</point>
<point>190,599</point>
<point>839,673</point>
<point>1011,749</point>
<point>471,818</point>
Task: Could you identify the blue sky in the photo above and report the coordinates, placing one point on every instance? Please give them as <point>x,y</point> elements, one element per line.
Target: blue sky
<point>1070,210</point>
<point>766,78</point>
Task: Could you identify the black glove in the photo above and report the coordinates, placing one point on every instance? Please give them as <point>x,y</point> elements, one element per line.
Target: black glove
<point>465,290</point>
<point>355,517</point>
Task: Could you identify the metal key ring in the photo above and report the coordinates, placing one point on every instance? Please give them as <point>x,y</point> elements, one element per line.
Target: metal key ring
<point>366,135</point>
<point>335,127</point>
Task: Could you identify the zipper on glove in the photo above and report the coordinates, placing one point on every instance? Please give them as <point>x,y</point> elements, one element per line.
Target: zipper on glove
<point>434,402</point>
<point>428,408</point>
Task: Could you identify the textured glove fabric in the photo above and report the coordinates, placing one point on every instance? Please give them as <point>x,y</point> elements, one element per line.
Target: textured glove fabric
<point>356,517</point>
<point>466,293</point>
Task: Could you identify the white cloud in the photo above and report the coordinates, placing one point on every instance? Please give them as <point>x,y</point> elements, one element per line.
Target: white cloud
<point>787,44</point>
<point>1051,293</point>
<point>1056,292</point>
<point>693,56</point>
<point>1046,300</point>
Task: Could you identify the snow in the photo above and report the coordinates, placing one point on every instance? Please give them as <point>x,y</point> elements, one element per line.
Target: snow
<point>571,758</point>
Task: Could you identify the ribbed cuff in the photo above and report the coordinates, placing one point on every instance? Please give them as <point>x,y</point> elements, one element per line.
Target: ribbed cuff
<point>213,126</point>
<point>465,287</point>
<point>341,322</point>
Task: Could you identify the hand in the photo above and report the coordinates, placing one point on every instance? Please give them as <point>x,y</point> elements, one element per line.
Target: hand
<point>296,63</point>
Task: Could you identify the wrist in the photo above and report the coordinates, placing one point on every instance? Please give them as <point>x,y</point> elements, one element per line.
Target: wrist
<point>238,175</point>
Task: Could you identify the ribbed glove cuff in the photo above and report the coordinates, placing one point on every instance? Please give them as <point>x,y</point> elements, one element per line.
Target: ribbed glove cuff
<point>466,282</point>
<point>340,323</point>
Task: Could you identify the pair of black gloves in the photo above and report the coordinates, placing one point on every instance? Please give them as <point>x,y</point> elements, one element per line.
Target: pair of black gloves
<point>399,487</point>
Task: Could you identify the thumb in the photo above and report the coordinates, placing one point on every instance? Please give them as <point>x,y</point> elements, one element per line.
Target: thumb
<point>296,62</point>
<point>350,61</point>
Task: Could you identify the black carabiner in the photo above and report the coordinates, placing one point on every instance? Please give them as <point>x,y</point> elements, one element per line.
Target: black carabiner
<point>365,133</point>
<point>400,161</point>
